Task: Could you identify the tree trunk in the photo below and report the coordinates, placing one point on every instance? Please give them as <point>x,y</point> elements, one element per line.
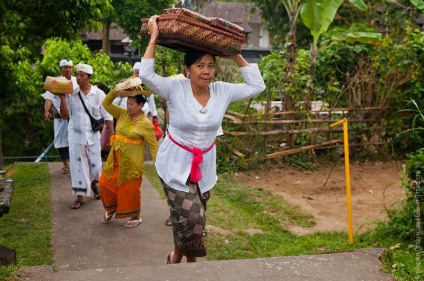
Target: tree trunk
<point>293,8</point>
<point>310,84</point>
<point>292,48</point>
<point>105,38</point>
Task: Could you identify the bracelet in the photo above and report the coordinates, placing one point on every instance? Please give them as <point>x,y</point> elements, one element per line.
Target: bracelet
<point>154,43</point>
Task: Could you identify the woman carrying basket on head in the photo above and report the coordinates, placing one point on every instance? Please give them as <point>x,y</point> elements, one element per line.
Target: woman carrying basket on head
<point>186,161</point>
<point>120,182</point>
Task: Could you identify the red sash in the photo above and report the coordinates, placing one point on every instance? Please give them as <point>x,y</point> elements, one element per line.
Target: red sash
<point>195,173</point>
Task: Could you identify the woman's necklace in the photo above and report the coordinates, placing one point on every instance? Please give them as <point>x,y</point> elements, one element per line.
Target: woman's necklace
<point>204,110</point>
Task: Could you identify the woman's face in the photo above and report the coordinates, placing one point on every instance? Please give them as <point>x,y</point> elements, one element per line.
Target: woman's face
<point>133,108</point>
<point>203,71</point>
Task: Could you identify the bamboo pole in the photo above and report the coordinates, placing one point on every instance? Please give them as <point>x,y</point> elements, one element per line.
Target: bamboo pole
<point>329,110</point>
<point>236,121</point>
<point>294,150</point>
<point>293,132</point>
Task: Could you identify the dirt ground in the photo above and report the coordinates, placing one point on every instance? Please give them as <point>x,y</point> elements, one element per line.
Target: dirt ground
<point>322,192</point>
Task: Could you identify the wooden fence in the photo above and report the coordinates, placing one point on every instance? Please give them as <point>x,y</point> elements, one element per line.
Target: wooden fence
<point>267,136</point>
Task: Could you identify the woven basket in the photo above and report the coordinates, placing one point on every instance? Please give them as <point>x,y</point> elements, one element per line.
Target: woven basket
<point>185,30</point>
<point>58,85</point>
<point>122,89</point>
<point>122,94</point>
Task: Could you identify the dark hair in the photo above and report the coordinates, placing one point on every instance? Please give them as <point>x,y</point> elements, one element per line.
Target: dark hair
<point>195,56</point>
<point>102,87</point>
<point>139,99</point>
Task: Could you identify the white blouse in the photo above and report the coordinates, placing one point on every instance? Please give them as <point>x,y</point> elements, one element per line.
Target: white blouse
<point>79,127</point>
<point>192,125</point>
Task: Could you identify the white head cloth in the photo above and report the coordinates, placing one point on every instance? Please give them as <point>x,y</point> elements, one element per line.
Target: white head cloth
<point>85,68</point>
<point>137,65</point>
<point>66,63</point>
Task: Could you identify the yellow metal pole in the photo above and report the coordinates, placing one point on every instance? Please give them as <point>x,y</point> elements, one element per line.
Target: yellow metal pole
<point>347,178</point>
<point>338,123</point>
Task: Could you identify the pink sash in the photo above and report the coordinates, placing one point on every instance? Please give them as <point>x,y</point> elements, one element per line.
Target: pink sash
<point>195,173</point>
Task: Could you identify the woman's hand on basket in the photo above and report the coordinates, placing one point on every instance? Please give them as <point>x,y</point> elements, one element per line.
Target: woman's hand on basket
<point>152,28</point>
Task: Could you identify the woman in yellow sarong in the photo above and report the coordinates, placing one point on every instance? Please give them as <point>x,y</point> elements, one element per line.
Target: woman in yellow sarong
<point>120,182</point>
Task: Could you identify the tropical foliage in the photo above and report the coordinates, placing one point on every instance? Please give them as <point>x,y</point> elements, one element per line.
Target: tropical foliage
<point>129,13</point>
<point>26,58</point>
<point>25,25</point>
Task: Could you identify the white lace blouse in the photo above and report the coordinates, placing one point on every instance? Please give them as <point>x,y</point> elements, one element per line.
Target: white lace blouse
<point>192,125</point>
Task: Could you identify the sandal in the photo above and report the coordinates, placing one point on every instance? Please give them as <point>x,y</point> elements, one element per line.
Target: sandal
<point>77,204</point>
<point>64,170</point>
<point>132,223</point>
<point>168,222</point>
<point>96,190</point>
<point>107,217</point>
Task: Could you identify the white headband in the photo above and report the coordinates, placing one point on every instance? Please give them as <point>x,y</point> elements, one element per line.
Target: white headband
<point>85,68</point>
<point>66,63</point>
<point>137,65</point>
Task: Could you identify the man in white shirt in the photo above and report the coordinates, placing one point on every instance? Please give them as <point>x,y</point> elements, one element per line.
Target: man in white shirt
<point>84,143</point>
<point>60,125</point>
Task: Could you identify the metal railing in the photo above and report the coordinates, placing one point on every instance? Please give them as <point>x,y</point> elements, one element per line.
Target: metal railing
<point>44,153</point>
<point>38,158</point>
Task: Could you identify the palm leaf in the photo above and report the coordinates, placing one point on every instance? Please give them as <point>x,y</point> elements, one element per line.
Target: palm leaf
<point>317,15</point>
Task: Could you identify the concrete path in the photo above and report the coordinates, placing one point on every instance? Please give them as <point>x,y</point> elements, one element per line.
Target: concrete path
<point>86,249</point>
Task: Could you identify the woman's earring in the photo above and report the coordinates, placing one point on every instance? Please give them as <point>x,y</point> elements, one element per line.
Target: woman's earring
<point>188,75</point>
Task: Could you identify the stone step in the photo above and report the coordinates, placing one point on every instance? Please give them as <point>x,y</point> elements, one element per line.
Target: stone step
<point>357,265</point>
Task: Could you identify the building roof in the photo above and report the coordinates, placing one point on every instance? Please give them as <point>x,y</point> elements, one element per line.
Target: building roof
<point>116,33</point>
<point>233,12</point>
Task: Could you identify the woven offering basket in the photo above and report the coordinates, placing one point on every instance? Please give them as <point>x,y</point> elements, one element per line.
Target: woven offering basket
<point>130,87</point>
<point>58,85</point>
<point>185,30</point>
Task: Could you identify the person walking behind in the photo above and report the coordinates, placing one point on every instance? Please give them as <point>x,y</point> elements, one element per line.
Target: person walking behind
<point>151,110</point>
<point>84,143</point>
<point>186,161</point>
<point>60,126</point>
<point>149,107</point>
<point>120,182</point>
<point>105,134</point>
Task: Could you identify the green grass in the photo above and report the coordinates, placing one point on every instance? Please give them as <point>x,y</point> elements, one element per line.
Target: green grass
<point>244,222</point>
<point>234,211</point>
<point>405,260</point>
<point>27,227</point>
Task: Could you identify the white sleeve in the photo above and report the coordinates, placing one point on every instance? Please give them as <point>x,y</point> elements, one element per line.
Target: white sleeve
<point>152,105</point>
<point>146,109</point>
<point>254,84</point>
<point>48,96</point>
<point>158,84</point>
<point>117,101</point>
<point>106,115</point>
